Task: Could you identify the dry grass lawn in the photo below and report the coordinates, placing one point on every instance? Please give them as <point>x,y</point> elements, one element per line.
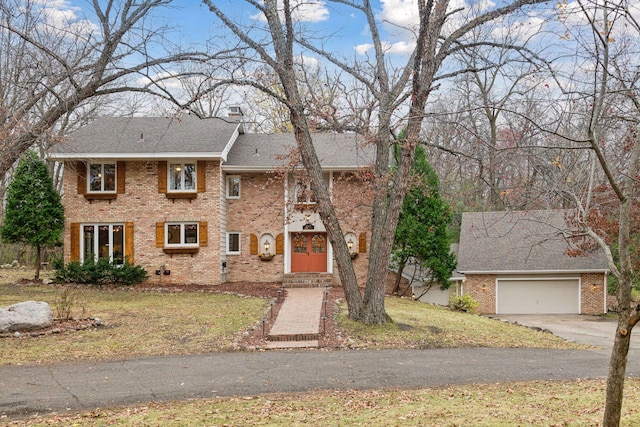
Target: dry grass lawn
<point>418,325</point>
<point>531,404</point>
<point>135,324</point>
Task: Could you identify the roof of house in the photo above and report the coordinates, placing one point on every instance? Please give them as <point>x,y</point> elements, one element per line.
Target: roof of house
<point>412,271</point>
<point>186,136</point>
<point>520,242</point>
<point>150,137</point>
<point>266,151</point>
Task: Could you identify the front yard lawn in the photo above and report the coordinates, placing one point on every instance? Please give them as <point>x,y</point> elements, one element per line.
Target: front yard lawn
<point>532,404</point>
<point>419,325</point>
<point>135,324</point>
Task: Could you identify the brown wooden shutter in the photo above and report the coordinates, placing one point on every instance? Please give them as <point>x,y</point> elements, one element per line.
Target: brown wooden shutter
<point>201,176</point>
<point>74,249</point>
<point>159,234</point>
<point>122,173</point>
<point>81,169</point>
<point>162,177</point>
<point>280,244</point>
<point>362,243</point>
<point>253,244</point>
<point>203,233</point>
<point>128,239</point>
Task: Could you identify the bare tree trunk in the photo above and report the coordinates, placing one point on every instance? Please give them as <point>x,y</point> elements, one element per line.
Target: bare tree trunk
<point>396,285</point>
<point>38,261</point>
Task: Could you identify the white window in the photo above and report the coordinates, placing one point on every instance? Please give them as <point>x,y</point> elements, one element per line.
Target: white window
<point>103,241</point>
<point>102,177</point>
<point>182,177</point>
<point>233,187</point>
<point>181,234</point>
<point>233,243</point>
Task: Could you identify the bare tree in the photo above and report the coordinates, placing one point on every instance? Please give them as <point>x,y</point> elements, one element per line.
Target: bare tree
<point>52,70</point>
<point>606,83</point>
<point>410,88</point>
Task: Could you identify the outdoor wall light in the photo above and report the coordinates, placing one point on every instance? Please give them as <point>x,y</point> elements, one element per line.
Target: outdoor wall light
<point>350,244</point>
<point>266,243</point>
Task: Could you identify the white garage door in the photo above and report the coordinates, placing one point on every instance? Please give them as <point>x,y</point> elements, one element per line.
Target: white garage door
<point>557,296</point>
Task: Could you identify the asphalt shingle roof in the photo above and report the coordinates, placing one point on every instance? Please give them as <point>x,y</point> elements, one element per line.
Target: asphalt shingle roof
<point>265,151</point>
<point>151,137</point>
<point>190,137</point>
<point>521,241</point>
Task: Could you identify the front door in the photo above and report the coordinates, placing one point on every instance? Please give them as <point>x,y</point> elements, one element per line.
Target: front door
<point>308,252</point>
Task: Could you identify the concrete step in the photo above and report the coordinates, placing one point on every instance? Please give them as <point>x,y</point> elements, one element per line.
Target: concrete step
<point>272,345</point>
<point>307,280</point>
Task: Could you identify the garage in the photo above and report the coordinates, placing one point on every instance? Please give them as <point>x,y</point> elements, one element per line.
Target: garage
<point>538,296</point>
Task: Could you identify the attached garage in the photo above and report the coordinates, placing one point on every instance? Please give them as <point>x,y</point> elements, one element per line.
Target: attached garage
<point>538,296</point>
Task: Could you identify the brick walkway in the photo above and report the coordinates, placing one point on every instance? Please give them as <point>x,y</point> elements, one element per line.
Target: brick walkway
<point>298,321</point>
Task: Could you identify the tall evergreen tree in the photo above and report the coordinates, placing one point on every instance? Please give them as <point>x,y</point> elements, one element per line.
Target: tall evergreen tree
<point>421,236</point>
<point>34,214</point>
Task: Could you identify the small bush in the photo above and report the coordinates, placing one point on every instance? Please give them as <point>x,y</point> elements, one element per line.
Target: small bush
<point>463,303</point>
<point>67,301</point>
<point>101,272</point>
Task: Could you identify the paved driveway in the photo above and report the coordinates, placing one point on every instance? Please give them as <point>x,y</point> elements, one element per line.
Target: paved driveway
<point>583,329</point>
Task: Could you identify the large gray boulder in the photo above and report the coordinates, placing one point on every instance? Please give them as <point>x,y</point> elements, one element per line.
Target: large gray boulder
<point>25,316</point>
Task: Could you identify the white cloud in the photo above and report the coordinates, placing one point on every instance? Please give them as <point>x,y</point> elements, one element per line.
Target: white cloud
<point>303,11</point>
<point>398,48</point>
<point>61,15</point>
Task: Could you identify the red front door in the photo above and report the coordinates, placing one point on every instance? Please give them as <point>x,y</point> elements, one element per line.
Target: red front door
<point>308,252</point>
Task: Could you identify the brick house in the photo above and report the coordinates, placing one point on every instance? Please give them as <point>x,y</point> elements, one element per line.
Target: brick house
<point>201,201</point>
<point>516,263</point>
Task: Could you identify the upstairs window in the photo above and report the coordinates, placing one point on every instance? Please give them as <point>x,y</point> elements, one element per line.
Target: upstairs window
<point>102,177</point>
<point>182,177</point>
<point>101,181</point>
<point>233,187</point>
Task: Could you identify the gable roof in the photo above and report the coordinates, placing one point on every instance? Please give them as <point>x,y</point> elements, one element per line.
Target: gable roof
<point>520,242</point>
<point>337,151</point>
<point>187,136</point>
<point>128,138</point>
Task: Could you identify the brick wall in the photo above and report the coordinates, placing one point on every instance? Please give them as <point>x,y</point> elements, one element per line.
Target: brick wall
<point>353,206</point>
<point>482,288</point>
<point>143,205</point>
<point>592,293</point>
<point>259,210</point>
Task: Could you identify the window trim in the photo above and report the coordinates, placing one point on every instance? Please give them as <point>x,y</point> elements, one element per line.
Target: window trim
<point>239,251</point>
<point>182,225</point>
<point>89,191</point>
<point>228,187</point>
<point>195,177</point>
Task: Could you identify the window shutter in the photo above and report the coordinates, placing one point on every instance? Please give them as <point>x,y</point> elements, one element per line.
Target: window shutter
<point>253,244</point>
<point>121,171</point>
<point>81,169</point>
<point>203,231</point>
<point>201,171</point>
<point>280,244</point>
<point>162,178</point>
<point>159,234</point>
<point>128,239</point>
<point>362,243</point>
<point>74,249</point>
